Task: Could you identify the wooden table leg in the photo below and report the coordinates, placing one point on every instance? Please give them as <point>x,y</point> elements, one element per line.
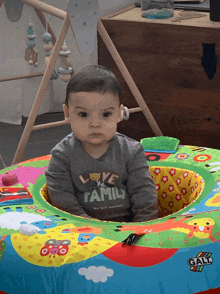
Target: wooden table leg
<point>41,91</point>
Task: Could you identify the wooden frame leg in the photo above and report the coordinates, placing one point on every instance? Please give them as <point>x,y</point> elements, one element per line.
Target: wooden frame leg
<point>41,91</point>
<point>130,82</point>
<point>1,2</point>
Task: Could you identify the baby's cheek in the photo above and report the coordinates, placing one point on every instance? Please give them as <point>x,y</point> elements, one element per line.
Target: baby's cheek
<point>79,125</point>
<point>111,125</point>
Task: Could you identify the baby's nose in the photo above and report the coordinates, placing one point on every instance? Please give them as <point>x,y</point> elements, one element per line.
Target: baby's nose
<point>95,122</point>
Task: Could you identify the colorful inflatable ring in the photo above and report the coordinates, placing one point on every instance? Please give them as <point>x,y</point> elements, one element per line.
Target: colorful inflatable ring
<point>46,250</point>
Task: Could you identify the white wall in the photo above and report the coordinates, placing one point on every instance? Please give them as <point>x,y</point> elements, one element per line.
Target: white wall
<point>17,97</point>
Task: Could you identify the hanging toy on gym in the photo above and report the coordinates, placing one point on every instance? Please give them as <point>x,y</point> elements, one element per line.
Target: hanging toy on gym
<point>31,53</point>
<point>65,70</point>
<point>48,46</point>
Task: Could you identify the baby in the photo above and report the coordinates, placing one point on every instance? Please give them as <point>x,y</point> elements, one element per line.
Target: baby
<point>95,171</point>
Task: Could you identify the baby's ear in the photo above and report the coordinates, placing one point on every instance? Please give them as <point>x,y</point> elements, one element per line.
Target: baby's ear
<point>66,113</point>
<point>121,113</point>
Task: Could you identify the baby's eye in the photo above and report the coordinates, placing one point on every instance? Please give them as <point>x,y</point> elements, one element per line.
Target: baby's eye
<point>107,114</point>
<point>83,114</point>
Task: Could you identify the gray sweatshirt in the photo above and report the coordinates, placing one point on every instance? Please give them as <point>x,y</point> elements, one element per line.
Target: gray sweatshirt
<point>116,186</point>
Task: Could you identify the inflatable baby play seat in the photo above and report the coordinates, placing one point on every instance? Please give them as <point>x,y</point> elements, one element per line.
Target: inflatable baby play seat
<point>181,247</point>
<point>176,188</point>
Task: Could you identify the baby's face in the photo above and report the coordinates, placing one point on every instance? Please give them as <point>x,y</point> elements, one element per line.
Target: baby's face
<point>93,116</point>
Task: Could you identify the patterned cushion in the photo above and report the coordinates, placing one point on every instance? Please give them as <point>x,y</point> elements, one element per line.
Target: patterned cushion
<point>44,194</point>
<point>176,188</point>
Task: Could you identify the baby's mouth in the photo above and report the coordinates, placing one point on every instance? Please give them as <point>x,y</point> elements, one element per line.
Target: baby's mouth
<point>95,134</point>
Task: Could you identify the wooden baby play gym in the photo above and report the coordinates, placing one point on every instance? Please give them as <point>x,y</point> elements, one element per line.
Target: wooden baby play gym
<point>83,19</point>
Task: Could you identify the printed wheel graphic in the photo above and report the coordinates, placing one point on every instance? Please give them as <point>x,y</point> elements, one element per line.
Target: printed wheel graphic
<point>63,250</point>
<point>44,251</point>
<point>65,242</point>
<point>51,242</point>
<point>153,157</point>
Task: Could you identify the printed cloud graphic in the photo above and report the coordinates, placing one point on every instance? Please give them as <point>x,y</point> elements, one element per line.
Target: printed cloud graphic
<point>13,220</point>
<point>96,274</point>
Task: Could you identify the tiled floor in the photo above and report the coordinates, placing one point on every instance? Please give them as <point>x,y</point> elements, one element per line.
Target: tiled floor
<point>40,142</point>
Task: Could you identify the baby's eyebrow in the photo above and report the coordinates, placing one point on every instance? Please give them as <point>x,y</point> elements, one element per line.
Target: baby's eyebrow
<point>109,108</point>
<point>80,107</point>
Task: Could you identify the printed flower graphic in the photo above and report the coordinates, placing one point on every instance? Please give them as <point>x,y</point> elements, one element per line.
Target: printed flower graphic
<point>31,207</point>
<point>178,181</point>
<point>171,188</point>
<point>181,156</point>
<point>157,186</point>
<point>185,175</point>
<point>164,179</point>
<point>40,210</point>
<point>157,171</point>
<point>178,197</point>
<point>164,195</point>
<point>202,157</point>
<point>172,171</point>
<point>171,204</point>
<point>184,191</point>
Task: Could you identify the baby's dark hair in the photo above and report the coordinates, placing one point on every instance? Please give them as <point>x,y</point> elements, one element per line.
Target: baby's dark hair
<point>94,78</point>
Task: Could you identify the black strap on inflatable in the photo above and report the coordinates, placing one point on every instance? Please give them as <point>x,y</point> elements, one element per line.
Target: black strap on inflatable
<point>131,239</point>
